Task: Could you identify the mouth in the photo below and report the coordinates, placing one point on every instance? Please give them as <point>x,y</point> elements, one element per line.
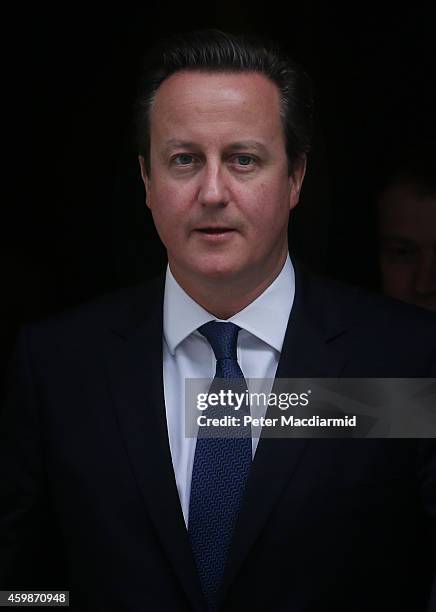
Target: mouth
<point>214,229</point>
<point>215,232</point>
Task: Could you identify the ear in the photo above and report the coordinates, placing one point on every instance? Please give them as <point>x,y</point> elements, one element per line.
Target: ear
<point>296,180</point>
<point>145,179</point>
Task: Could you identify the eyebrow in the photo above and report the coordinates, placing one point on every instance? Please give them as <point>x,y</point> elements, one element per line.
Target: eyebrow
<point>174,143</point>
<point>397,241</point>
<point>397,238</point>
<point>248,144</point>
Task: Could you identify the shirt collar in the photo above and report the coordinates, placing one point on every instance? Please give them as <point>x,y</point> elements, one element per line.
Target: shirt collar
<point>266,317</point>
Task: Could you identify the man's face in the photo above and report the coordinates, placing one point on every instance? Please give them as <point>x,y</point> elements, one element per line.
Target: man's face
<point>407,227</point>
<point>219,189</point>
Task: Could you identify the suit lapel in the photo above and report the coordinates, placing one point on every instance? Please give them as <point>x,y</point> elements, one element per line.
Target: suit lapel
<point>134,361</point>
<point>309,351</point>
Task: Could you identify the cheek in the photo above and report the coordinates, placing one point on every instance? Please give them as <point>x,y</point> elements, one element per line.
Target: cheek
<point>270,211</point>
<point>164,197</point>
<point>166,205</point>
<point>268,207</point>
<point>396,277</point>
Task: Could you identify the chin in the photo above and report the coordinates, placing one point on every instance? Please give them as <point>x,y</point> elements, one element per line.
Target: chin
<point>219,270</point>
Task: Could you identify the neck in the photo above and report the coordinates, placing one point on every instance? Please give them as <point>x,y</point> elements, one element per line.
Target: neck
<point>224,297</point>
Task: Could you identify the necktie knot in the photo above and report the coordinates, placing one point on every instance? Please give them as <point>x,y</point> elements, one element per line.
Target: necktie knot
<point>223,338</point>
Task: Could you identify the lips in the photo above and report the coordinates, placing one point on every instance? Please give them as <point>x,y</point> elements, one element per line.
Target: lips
<point>215,234</point>
<point>214,230</point>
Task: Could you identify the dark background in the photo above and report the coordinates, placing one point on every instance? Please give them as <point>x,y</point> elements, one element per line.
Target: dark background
<point>74,223</point>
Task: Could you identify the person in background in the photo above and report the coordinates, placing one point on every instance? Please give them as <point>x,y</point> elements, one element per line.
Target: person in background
<point>406,213</point>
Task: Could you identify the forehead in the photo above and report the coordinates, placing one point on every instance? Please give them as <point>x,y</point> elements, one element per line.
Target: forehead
<point>404,211</point>
<point>199,101</point>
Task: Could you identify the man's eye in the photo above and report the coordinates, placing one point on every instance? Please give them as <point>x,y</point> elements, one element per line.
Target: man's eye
<point>400,252</point>
<point>244,160</point>
<point>403,251</point>
<point>183,159</point>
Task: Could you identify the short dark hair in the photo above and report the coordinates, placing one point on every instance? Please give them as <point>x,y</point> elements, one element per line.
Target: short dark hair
<point>413,165</point>
<point>217,51</point>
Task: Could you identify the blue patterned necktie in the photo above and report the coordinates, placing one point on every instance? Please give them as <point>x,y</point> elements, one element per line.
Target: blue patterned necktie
<point>220,470</point>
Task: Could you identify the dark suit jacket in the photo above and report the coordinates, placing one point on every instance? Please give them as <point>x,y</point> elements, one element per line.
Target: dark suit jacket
<point>327,524</point>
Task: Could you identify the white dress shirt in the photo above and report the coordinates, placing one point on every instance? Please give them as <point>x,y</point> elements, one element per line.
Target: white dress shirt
<point>187,354</point>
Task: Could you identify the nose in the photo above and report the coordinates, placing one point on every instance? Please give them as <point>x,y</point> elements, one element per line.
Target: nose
<point>213,189</point>
<point>425,273</point>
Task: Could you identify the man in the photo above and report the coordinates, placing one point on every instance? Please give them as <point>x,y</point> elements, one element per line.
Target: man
<point>406,207</point>
<point>149,519</point>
